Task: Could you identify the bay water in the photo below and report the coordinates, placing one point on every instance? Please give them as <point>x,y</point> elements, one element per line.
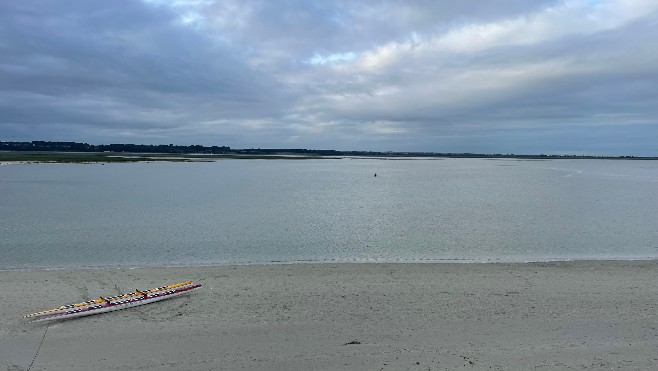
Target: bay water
<point>326,210</point>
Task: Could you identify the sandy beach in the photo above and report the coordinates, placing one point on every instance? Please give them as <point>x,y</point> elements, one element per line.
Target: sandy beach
<point>563,315</point>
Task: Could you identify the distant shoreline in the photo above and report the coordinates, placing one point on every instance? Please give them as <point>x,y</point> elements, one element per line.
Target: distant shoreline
<point>51,151</point>
<point>121,157</point>
<point>41,157</point>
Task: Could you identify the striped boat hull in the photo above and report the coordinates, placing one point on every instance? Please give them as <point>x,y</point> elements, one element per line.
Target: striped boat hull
<point>128,302</point>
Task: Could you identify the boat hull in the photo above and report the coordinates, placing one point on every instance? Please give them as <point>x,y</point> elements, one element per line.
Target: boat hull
<point>114,299</point>
<point>118,305</point>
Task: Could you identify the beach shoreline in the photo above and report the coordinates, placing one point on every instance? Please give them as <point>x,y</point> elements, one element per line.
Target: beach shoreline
<point>327,262</point>
<point>557,315</point>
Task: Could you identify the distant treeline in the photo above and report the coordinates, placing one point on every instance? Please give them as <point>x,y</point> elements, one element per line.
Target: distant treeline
<point>44,146</point>
<point>47,146</point>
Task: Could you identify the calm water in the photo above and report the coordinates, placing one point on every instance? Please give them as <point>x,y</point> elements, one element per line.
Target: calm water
<point>258,211</point>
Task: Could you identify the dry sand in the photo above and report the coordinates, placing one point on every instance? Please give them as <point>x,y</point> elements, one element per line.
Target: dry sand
<point>572,315</point>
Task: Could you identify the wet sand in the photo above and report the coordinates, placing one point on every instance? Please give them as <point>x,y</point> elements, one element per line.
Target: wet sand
<point>566,315</point>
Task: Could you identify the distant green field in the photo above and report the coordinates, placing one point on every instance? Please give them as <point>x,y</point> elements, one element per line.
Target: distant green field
<point>94,157</point>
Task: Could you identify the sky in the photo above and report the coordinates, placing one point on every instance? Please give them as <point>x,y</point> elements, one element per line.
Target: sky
<point>504,76</point>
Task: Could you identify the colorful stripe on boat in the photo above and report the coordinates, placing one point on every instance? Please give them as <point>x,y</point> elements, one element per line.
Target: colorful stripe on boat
<point>99,301</point>
<point>123,304</point>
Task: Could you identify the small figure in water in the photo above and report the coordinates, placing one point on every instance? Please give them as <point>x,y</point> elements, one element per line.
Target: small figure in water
<point>375,175</point>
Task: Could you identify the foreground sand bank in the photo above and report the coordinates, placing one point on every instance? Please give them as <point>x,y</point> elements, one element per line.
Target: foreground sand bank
<point>592,315</point>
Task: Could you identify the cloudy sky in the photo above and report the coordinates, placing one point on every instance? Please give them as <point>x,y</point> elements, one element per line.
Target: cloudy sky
<point>504,76</point>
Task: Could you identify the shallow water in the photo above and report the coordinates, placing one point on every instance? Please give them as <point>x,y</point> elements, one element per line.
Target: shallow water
<point>260,211</point>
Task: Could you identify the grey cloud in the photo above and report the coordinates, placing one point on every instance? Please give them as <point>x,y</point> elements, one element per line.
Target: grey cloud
<point>123,64</point>
<point>612,89</point>
<point>135,71</point>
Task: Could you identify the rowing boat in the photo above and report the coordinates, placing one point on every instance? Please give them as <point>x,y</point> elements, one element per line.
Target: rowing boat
<point>103,305</point>
<point>101,300</point>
